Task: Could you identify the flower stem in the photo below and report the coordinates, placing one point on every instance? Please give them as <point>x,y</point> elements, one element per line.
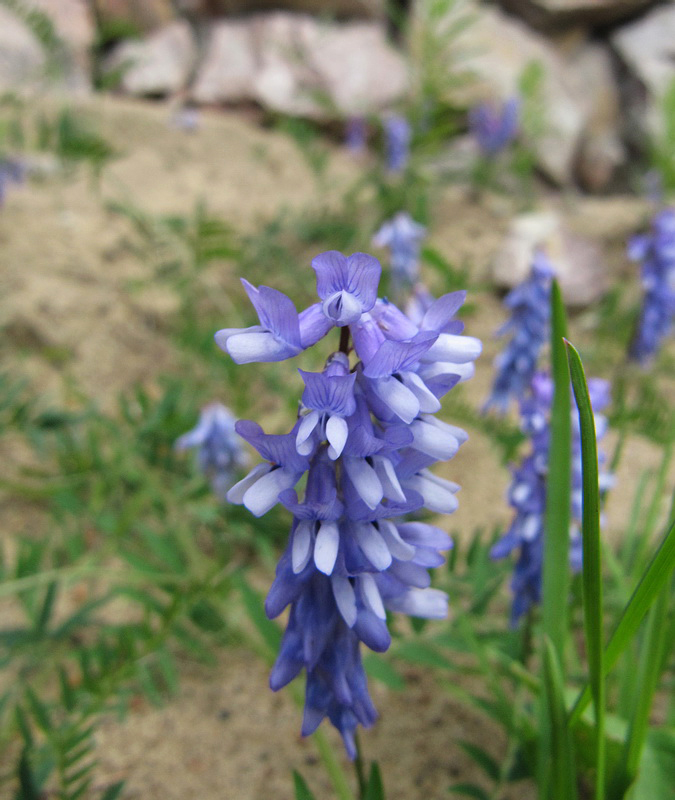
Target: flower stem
<point>335,772</point>
<point>344,339</point>
<point>359,768</point>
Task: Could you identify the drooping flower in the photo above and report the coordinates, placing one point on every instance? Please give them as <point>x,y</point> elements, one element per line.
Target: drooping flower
<point>494,127</point>
<point>397,136</point>
<point>403,237</point>
<point>656,251</point>
<point>527,492</point>
<point>529,304</point>
<point>220,454</point>
<point>366,438</point>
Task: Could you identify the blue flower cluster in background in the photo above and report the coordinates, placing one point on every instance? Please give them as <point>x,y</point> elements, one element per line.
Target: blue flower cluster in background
<point>403,237</point>
<point>365,438</point>
<point>527,492</point>
<point>356,135</point>
<point>11,171</point>
<point>656,251</point>
<point>494,127</point>
<point>397,136</point>
<point>220,453</point>
<point>529,304</point>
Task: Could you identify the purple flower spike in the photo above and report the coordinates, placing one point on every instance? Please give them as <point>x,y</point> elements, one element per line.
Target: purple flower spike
<point>494,128</point>
<point>529,304</point>
<point>397,136</point>
<point>656,251</point>
<point>347,285</point>
<point>366,438</point>
<point>403,236</point>
<point>527,493</point>
<point>275,339</point>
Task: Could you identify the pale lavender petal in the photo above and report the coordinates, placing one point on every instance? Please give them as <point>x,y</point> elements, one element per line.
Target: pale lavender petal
<point>245,348</point>
<point>237,492</point>
<point>345,598</point>
<point>305,430</point>
<point>450,347</point>
<point>394,356</point>
<point>438,494</point>
<point>433,441</point>
<point>387,475</point>
<point>373,545</point>
<point>365,480</point>
<point>428,603</point>
<point>276,311</point>
<point>301,550</point>
<point>264,493</point>
<point>397,397</point>
<point>428,401</point>
<point>397,547</point>
<point>337,431</point>
<point>326,547</point>
<point>371,595</point>
<point>331,273</point>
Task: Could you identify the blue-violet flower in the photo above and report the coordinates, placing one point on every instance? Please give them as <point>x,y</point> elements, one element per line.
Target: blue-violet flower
<point>365,437</point>
<point>403,237</point>
<point>494,128</point>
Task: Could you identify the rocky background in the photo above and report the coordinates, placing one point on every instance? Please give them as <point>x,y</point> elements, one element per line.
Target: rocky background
<point>606,64</point>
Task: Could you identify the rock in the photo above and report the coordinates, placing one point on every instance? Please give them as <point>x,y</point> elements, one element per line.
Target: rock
<point>590,75</point>
<point>552,15</point>
<point>495,50</point>
<point>160,65</point>
<point>358,69</point>
<point>144,16</point>
<point>295,64</point>
<point>228,69</point>
<point>74,25</point>
<point>647,48</point>
<point>577,260</point>
<point>22,60</point>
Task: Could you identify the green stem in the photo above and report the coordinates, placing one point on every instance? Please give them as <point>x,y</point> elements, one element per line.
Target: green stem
<point>359,768</point>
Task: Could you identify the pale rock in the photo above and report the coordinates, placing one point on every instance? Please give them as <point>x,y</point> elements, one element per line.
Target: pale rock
<point>228,69</point>
<point>22,60</point>
<point>74,25</point>
<point>552,15</point>
<point>160,65</point>
<point>600,151</point>
<point>495,49</point>
<point>580,270</point>
<point>647,48</point>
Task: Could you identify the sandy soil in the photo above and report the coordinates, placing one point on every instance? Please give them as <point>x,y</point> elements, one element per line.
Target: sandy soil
<point>73,328</point>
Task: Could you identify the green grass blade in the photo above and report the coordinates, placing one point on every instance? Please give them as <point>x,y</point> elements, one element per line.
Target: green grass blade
<point>651,583</point>
<point>650,666</point>
<point>302,791</point>
<point>592,567</point>
<point>561,772</point>
<point>555,578</point>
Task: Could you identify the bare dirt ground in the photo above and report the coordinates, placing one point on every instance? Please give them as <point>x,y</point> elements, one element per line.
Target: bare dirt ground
<point>73,329</point>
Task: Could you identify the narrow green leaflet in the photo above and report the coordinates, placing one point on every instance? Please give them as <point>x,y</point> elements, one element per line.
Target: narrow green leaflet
<point>653,580</point>
<point>592,569</point>
<point>270,632</point>
<point>555,579</point>
<point>375,787</point>
<point>561,784</point>
<point>302,791</point>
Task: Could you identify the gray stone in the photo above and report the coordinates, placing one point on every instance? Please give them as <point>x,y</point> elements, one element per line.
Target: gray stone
<point>228,69</point>
<point>160,65</point>
<point>647,48</point>
<point>74,25</point>
<point>296,64</point>
<point>600,150</point>
<point>495,50</point>
<point>577,260</point>
<point>552,15</point>
<point>22,61</point>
